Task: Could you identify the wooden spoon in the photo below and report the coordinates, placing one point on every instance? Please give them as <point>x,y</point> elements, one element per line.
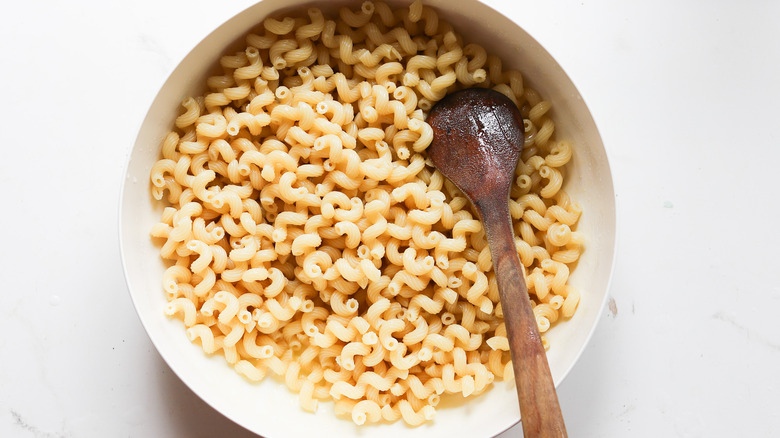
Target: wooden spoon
<point>477,140</point>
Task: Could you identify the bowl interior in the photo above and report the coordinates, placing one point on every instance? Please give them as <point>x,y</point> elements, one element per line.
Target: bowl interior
<point>269,408</point>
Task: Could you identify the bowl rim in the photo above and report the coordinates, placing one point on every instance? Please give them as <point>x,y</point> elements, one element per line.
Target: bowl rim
<point>138,128</point>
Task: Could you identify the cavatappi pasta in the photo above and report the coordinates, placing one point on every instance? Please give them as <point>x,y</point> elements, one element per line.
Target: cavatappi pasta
<point>310,238</point>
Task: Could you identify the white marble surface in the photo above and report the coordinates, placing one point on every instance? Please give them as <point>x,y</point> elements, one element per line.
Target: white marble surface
<point>686,95</point>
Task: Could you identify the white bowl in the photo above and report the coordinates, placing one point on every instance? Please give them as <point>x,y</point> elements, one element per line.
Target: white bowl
<point>269,408</point>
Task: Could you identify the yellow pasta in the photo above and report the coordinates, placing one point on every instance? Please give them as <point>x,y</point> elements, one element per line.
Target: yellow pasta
<point>311,239</point>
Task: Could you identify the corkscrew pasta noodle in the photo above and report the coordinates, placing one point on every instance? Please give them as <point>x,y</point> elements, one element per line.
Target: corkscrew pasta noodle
<point>310,238</point>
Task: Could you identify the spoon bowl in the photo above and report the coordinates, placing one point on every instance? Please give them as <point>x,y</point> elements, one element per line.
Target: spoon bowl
<point>478,137</point>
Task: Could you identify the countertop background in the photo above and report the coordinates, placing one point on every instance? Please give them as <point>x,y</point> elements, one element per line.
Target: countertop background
<point>687,97</point>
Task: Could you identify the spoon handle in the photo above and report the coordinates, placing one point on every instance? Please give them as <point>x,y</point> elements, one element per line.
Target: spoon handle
<point>540,412</point>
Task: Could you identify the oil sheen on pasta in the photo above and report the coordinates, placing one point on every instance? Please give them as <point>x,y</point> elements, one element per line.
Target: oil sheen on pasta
<point>310,238</point>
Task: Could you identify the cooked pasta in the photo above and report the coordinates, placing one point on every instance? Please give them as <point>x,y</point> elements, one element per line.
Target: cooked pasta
<point>310,238</point>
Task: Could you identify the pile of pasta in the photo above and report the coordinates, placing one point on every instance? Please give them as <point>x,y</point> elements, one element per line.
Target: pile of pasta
<point>309,237</point>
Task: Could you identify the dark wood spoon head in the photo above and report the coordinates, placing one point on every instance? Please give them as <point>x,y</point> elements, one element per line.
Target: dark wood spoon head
<point>477,140</point>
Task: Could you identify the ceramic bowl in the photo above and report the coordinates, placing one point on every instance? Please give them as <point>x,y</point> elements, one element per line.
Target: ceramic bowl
<point>268,408</point>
